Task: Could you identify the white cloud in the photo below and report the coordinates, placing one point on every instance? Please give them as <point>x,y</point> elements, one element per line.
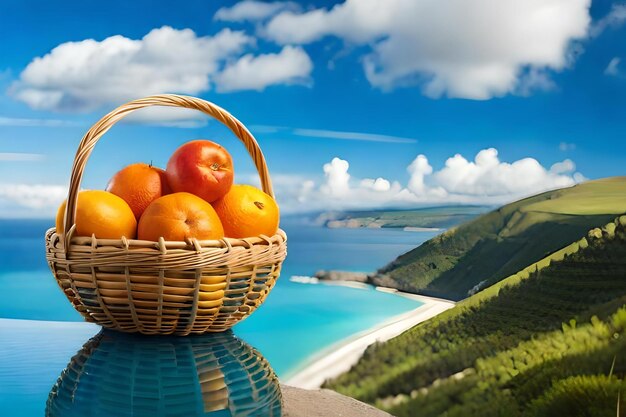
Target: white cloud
<point>418,170</point>
<point>22,122</point>
<point>267,128</point>
<point>253,10</point>
<point>84,75</point>
<point>485,180</point>
<point>307,187</point>
<point>474,49</point>
<point>564,167</point>
<point>566,146</point>
<point>20,157</point>
<point>378,184</point>
<point>613,67</point>
<point>168,116</point>
<point>615,18</point>
<point>488,176</point>
<point>33,196</point>
<point>292,65</point>
<point>356,21</point>
<point>368,137</point>
<point>331,134</point>
<point>337,177</point>
<point>535,79</point>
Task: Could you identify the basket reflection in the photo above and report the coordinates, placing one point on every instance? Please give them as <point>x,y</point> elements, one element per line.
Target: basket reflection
<point>117,374</point>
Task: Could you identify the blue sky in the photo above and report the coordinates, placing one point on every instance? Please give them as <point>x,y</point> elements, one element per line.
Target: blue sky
<point>343,97</point>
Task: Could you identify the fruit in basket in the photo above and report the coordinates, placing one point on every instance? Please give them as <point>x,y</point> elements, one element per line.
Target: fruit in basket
<point>246,211</point>
<point>179,216</point>
<point>201,167</point>
<point>102,214</point>
<point>139,185</point>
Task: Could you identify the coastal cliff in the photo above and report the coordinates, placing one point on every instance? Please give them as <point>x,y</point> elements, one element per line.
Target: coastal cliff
<point>422,219</point>
<point>375,279</point>
<point>333,275</point>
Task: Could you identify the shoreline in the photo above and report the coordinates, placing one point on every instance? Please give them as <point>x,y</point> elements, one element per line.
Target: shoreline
<point>338,358</point>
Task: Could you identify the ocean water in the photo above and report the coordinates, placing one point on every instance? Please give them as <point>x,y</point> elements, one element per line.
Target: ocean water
<point>295,322</point>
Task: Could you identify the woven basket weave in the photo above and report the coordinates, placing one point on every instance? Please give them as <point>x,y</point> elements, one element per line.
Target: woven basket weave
<point>164,287</point>
<point>117,374</point>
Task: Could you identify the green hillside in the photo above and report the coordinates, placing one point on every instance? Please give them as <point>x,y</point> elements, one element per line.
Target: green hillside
<point>500,243</point>
<point>547,341</point>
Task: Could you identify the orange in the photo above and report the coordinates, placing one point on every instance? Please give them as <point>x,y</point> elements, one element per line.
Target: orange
<point>246,211</point>
<point>180,216</point>
<point>139,185</point>
<point>102,214</point>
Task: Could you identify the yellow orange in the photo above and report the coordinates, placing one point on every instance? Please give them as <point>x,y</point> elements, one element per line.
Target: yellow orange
<point>139,185</point>
<point>102,214</point>
<point>246,211</point>
<point>179,216</point>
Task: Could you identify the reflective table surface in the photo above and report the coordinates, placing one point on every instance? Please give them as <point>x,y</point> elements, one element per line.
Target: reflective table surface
<point>108,373</point>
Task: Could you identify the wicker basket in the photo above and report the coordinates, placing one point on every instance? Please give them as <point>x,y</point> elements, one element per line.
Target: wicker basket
<point>164,287</point>
<point>117,374</point>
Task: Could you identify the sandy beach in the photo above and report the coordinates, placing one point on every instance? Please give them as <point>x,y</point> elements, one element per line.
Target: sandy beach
<point>340,357</point>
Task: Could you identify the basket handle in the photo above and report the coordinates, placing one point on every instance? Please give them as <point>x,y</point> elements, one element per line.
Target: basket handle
<point>172,100</point>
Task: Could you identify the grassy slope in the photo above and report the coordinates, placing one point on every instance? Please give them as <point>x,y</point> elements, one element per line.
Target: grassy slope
<point>500,243</point>
<point>506,351</point>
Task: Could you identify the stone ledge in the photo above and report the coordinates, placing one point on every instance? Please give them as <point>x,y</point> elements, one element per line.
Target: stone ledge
<point>324,403</point>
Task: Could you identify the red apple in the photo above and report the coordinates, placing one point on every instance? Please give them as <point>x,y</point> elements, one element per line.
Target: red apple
<point>201,167</point>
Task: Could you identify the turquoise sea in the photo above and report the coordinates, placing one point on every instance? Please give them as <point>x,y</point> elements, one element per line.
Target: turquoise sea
<point>295,322</point>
